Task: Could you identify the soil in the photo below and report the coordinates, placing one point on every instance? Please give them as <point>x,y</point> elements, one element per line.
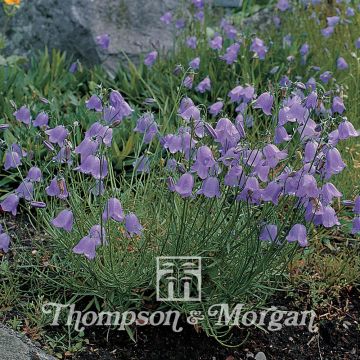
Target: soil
<point>337,338</point>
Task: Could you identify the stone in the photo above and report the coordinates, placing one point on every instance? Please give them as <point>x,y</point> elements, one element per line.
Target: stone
<point>228,3</point>
<point>16,346</point>
<point>260,356</point>
<point>73,25</point>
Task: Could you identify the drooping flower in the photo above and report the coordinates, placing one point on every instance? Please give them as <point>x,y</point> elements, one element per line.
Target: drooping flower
<point>10,204</point>
<point>298,233</point>
<point>95,166</point>
<point>333,20</point>
<point>328,192</point>
<point>265,103</point>
<point>88,244</point>
<point>42,119</point>
<point>191,42</point>
<point>325,77</point>
<point>103,41</point>
<point>146,125</point>
<point>23,115</point>
<point>142,164</point>
<point>4,242</point>
<point>132,225</point>
<point>327,32</point>
<point>281,135</point>
<point>269,233</point>
<point>216,43</point>
<point>259,48</point>
<point>357,205</point>
<point>166,18</point>
<point>346,129</point>
<point>118,108</point>
<point>338,105</point>
<point>113,210</point>
<point>64,220</point>
<point>307,187</point>
<point>185,185</point>
<point>234,176</point>
<point>328,218</point>
<point>273,155</point>
<point>231,53</point>
<point>94,103</point>
<point>334,163</point>
<point>282,5</point>
<point>150,58</point>
<point>204,162</point>
<point>57,188</point>
<point>12,160</point>
<point>210,187</point>
<point>25,190</point>
<point>341,63</point>
<point>355,225</point>
<point>188,81</point>
<point>204,85</point>
<point>195,63</point>
<point>215,108</point>
<point>226,134</point>
<point>57,135</point>
<point>34,174</point>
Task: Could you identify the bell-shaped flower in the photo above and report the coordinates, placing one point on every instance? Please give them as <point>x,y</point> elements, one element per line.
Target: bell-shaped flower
<point>357,205</point>
<point>259,48</point>
<point>113,210</point>
<point>328,192</point>
<point>231,53</point>
<point>210,187</point>
<point>234,176</point>
<point>269,233</point>
<point>334,163</point>
<point>146,125</point>
<point>273,155</point>
<point>204,161</point>
<point>338,105</point>
<point>57,188</point>
<point>226,134</point>
<point>341,64</point>
<point>57,135</point>
<point>184,186</point>
<point>34,174</point>
<point>4,242</point>
<point>142,164</point>
<point>264,102</point>
<point>25,190</point>
<point>204,85</point>
<point>150,58</point>
<point>12,160</point>
<point>195,63</point>
<point>215,108</point>
<point>132,225</point>
<point>355,226</point>
<point>64,220</point>
<point>42,119</point>
<point>298,233</point>
<point>23,115</point>
<point>10,204</point>
<point>346,129</point>
<point>216,42</point>
<point>94,103</point>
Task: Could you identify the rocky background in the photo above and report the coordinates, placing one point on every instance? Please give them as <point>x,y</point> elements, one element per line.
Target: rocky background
<point>73,25</point>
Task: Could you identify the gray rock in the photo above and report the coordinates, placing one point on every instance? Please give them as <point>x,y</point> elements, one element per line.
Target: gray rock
<point>260,356</point>
<point>72,25</point>
<point>15,346</point>
<point>228,3</point>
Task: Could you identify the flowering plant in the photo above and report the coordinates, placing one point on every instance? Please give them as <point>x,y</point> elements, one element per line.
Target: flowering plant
<point>241,180</point>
